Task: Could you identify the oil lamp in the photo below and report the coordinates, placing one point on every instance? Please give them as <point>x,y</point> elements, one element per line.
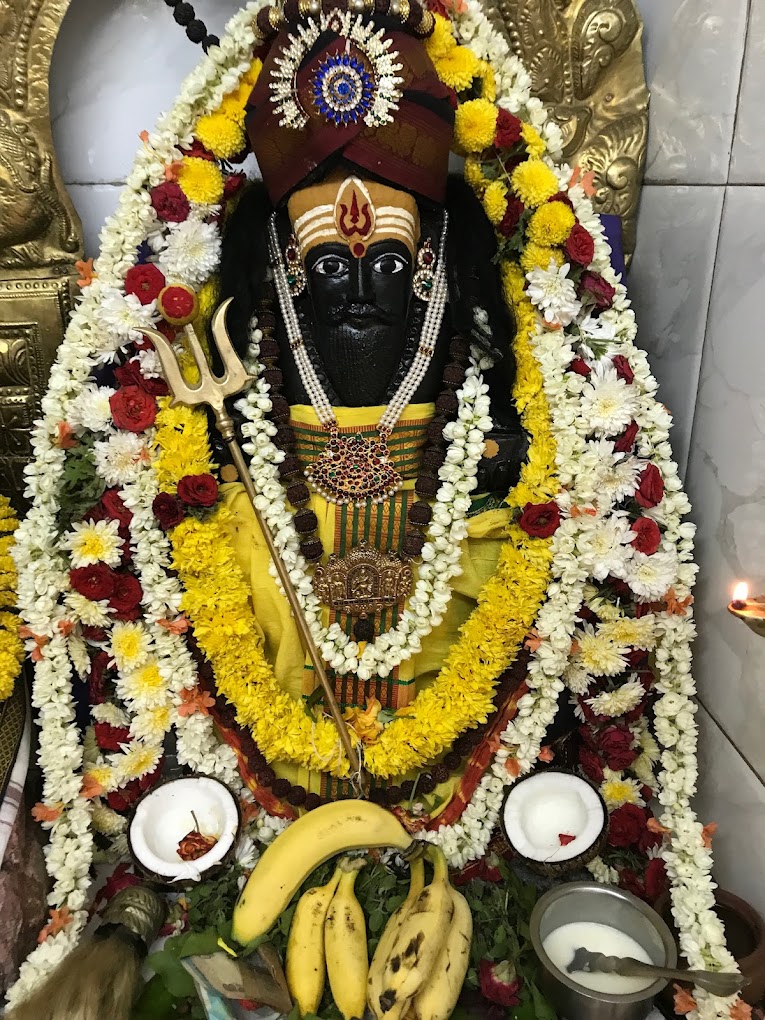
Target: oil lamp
<point>750,610</point>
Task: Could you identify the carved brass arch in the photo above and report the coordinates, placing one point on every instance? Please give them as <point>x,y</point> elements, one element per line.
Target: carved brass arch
<point>40,232</point>
<point>585,58</point>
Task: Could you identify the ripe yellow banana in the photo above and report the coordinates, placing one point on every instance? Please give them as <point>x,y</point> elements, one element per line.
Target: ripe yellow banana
<point>315,837</point>
<point>305,964</point>
<point>438,996</point>
<point>418,941</point>
<point>345,942</point>
<point>384,946</point>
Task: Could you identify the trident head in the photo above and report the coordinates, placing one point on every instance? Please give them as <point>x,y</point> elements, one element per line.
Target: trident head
<point>211,389</point>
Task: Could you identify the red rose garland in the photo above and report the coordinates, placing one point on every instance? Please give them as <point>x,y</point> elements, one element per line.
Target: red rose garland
<point>133,409</point>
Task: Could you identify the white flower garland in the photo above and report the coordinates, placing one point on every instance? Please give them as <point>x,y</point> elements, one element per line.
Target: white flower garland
<point>588,466</point>
<point>440,554</point>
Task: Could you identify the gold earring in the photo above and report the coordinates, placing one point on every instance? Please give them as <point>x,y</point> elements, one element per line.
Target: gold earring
<point>422,284</point>
<point>296,277</point>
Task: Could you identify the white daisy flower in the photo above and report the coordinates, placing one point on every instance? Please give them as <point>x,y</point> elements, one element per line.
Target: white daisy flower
<point>108,712</point>
<point>91,614</point>
<point>576,678</point>
<point>618,702</point>
<point>90,409</point>
<point>137,761</point>
<point>604,544</point>
<point>123,316</point>
<point>617,790</point>
<point>192,252</point>
<point>107,821</point>
<point>130,645</point>
<point>608,403</point>
<point>94,542</point>
<point>637,633</point>
<point>650,576</point>
<point>120,459</point>
<point>151,724</point>
<point>599,655</point>
<point>554,294</point>
<point>151,367</point>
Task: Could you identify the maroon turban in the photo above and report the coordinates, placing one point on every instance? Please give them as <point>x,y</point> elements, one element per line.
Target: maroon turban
<point>411,153</point>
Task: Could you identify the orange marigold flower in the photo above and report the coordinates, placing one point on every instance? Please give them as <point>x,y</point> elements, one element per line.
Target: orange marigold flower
<point>45,813</point>
<point>707,833</point>
<point>91,787</point>
<point>546,754</point>
<point>177,626</point>
<point>675,606</point>
<point>684,1001</point>
<point>172,170</point>
<point>65,437</point>
<point>195,700</point>
<point>532,640</point>
<point>59,919</point>
<point>87,276</point>
<point>65,627</point>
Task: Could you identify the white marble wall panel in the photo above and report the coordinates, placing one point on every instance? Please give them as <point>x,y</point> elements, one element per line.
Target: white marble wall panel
<point>670,292</point>
<point>94,203</point>
<point>748,159</point>
<point>726,476</point>
<point>693,51</point>
<point>732,795</point>
<point>117,65</point>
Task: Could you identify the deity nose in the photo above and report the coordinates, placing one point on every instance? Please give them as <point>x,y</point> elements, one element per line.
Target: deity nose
<point>360,282</point>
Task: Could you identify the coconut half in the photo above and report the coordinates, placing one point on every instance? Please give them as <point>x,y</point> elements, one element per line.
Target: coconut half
<point>166,816</point>
<point>555,821</point>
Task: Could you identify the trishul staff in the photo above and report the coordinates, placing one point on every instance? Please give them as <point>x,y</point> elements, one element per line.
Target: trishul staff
<point>213,390</point>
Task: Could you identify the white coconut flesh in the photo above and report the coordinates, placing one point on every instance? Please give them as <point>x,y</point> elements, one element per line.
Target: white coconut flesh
<point>545,807</point>
<point>164,817</point>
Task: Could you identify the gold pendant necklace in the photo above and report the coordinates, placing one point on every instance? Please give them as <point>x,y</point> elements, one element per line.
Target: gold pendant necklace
<point>353,469</point>
<point>363,582</point>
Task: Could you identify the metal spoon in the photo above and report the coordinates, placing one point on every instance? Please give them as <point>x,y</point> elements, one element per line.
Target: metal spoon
<point>716,983</point>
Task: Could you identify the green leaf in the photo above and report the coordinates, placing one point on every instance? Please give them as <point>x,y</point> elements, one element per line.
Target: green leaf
<point>177,980</point>
<point>201,943</point>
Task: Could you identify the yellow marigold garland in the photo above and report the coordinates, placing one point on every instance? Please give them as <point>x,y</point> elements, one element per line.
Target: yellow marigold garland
<point>11,645</point>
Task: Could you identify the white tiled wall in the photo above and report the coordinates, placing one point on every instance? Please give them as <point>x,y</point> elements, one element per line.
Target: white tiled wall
<point>697,281</point>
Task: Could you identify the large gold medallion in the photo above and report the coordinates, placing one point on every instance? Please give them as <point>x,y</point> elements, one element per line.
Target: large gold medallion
<point>363,582</point>
<point>354,469</point>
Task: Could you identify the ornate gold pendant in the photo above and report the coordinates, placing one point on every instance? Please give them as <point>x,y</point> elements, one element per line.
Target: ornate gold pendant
<point>363,582</point>
<point>353,469</point>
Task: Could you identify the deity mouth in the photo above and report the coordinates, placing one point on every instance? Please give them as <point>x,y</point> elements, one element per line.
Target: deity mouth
<point>359,315</point>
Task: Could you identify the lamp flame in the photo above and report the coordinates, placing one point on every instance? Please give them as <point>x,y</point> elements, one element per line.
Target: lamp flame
<point>741,592</point>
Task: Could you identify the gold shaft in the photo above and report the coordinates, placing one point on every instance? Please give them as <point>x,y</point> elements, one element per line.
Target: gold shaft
<point>227,431</point>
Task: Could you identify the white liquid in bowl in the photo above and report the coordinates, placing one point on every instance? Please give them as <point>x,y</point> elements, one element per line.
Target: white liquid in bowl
<point>561,944</point>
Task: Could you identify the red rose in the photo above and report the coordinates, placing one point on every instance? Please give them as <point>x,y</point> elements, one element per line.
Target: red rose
<point>509,130</point>
<point>95,582</point>
<point>110,737</point>
<point>197,151</point>
<point>615,744</point>
<point>655,879</point>
<point>647,537</point>
<point>650,491</point>
<point>133,409</point>
<point>623,368</point>
<point>580,366</point>
<point>168,510</point>
<point>649,840</point>
<point>499,982</point>
<point>127,795</point>
<point>562,196</point>
<point>599,291</point>
<point>97,513</point>
<point>112,502</point>
<point>130,374</point>
<point>170,203</point>
<point>591,765</point>
<point>540,520</point>
<point>515,209</point>
<point>629,881</point>
<point>626,440</point>
<point>233,185</point>
<point>579,246</point>
<point>626,825</point>
<point>145,281</point>
<point>198,490</point>
<point>94,634</point>
<point>127,597</point>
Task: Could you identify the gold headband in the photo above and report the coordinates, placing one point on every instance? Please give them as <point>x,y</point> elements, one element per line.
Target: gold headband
<point>354,213</point>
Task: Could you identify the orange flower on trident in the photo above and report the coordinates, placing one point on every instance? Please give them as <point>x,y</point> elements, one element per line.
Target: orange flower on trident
<point>195,700</point>
<point>59,919</point>
<point>87,276</point>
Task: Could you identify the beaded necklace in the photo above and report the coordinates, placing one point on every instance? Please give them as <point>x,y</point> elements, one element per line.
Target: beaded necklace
<point>355,469</point>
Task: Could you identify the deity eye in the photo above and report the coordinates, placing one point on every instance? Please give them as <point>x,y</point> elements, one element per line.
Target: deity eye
<point>389,264</point>
<point>331,265</point>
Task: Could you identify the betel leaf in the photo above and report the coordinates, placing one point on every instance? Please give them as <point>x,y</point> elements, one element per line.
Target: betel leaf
<point>177,980</point>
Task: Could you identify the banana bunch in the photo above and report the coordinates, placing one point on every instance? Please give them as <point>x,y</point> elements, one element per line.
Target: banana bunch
<point>328,935</point>
<point>332,829</point>
<point>421,960</point>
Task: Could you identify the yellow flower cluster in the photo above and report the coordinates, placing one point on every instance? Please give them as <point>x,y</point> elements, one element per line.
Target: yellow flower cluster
<point>495,201</point>
<point>475,125</point>
<point>534,183</point>
<point>551,224</point>
<point>11,645</point>
<point>201,180</point>
<point>222,132</point>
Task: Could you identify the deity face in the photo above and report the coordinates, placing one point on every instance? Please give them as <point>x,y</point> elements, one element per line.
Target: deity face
<point>360,313</point>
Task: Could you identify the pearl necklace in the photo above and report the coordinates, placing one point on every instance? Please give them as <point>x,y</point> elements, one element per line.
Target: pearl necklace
<point>354,469</point>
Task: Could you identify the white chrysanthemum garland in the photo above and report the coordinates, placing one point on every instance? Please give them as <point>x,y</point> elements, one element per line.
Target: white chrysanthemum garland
<point>440,554</point>
<point>523,738</point>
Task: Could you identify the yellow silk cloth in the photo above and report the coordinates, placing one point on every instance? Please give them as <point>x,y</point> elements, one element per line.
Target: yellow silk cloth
<point>339,529</point>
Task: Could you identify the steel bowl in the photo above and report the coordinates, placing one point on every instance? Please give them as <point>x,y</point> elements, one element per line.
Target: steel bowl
<point>604,904</point>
